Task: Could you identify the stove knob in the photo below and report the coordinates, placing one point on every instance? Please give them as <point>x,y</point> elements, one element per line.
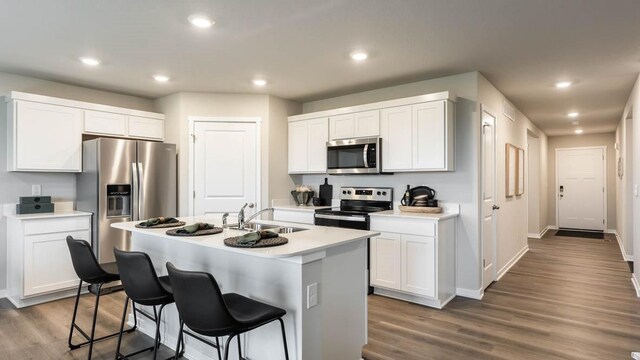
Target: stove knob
<point>349,192</point>
<point>378,193</point>
<point>384,193</point>
<point>344,192</point>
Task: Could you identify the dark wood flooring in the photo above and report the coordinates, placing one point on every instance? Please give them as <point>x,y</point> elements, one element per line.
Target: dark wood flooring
<point>567,298</point>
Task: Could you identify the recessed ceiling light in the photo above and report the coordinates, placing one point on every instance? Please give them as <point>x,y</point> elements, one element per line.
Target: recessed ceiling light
<point>573,114</point>
<point>259,82</point>
<point>563,84</point>
<point>201,21</point>
<point>90,61</point>
<point>359,56</point>
<point>579,131</point>
<point>160,78</point>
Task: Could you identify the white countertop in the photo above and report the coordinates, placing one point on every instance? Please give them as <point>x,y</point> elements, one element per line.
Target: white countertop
<point>412,215</point>
<point>316,238</point>
<point>48,215</point>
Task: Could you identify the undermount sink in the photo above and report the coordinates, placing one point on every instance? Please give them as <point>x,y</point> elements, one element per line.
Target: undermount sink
<point>280,229</point>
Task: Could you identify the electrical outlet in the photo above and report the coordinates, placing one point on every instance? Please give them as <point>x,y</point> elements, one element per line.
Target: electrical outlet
<point>312,295</point>
<point>36,190</point>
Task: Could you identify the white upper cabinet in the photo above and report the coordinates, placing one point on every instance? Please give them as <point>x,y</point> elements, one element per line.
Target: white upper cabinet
<point>356,125</point>
<point>104,123</point>
<point>418,137</point>
<point>308,146</point>
<point>44,134</point>
<point>43,137</point>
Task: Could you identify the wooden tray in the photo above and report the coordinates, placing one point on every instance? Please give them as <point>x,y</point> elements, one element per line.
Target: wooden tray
<point>420,209</point>
<point>215,230</point>
<point>233,242</point>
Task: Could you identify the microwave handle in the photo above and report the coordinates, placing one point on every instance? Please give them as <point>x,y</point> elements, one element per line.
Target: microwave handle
<point>365,155</point>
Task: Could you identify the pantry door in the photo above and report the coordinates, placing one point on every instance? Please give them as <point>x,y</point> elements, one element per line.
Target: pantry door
<point>225,165</point>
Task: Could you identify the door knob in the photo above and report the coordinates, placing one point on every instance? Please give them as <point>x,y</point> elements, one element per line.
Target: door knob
<point>496,207</point>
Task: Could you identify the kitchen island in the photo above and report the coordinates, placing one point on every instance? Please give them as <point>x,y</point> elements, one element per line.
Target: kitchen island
<point>324,266</point>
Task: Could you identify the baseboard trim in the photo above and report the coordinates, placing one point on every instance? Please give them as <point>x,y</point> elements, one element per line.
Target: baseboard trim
<point>636,286</point>
<point>625,257</point>
<point>476,294</point>
<point>541,234</point>
<point>512,262</point>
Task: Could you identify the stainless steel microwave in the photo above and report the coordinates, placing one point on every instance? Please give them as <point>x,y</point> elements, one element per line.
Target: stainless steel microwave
<point>354,156</point>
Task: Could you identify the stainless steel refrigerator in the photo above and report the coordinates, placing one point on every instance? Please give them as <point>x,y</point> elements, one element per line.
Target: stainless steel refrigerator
<point>124,180</point>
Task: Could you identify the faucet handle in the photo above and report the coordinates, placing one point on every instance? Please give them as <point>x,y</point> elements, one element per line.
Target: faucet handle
<point>251,205</point>
<point>224,219</point>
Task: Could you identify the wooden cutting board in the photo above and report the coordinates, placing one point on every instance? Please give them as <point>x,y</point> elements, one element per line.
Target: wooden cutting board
<point>421,209</point>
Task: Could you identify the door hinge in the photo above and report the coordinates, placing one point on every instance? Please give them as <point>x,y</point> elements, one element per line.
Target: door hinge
<point>484,263</point>
<point>603,189</point>
<point>193,136</point>
<point>602,221</point>
<point>194,194</point>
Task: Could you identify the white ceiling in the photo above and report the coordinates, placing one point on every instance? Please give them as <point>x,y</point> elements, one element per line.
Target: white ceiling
<point>301,47</point>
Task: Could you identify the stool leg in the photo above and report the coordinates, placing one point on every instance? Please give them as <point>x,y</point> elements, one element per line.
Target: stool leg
<point>124,316</point>
<point>226,347</point>
<point>284,339</point>
<point>73,319</point>
<point>218,347</point>
<point>180,341</point>
<point>156,344</point>
<point>239,348</point>
<point>95,317</point>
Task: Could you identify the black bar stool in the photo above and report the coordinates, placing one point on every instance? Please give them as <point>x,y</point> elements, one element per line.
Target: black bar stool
<point>208,312</point>
<point>89,271</point>
<point>143,286</point>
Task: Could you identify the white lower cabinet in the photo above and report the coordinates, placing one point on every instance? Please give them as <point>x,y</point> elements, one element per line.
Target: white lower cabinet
<point>417,265</point>
<point>293,215</point>
<point>39,263</point>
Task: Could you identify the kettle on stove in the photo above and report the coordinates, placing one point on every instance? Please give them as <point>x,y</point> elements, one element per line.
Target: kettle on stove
<point>420,196</point>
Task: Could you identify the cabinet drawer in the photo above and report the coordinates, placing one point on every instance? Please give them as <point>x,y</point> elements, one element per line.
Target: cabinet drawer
<point>57,225</point>
<point>405,226</point>
<point>98,122</point>
<point>302,217</point>
<point>146,128</point>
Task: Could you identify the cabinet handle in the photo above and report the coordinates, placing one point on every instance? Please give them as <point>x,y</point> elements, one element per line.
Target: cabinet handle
<point>496,207</point>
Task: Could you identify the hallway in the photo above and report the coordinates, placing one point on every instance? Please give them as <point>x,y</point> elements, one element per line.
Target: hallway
<point>567,298</point>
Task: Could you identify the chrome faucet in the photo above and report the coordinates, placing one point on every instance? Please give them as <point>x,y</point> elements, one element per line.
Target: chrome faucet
<point>241,215</point>
<point>224,220</point>
<point>258,213</point>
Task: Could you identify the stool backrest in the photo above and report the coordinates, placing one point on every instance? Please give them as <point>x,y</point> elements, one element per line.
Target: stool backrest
<point>84,261</point>
<point>199,301</point>
<point>139,278</point>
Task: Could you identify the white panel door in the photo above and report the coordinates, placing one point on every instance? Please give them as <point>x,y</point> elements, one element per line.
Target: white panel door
<point>395,131</point>
<point>49,137</point>
<point>580,188</point>
<point>418,265</point>
<point>429,137</point>
<point>386,259</point>
<point>489,200</point>
<point>367,123</point>
<point>342,126</point>
<point>298,146</point>
<point>100,122</point>
<point>318,135</point>
<point>225,167</point>
<point>47,262</point>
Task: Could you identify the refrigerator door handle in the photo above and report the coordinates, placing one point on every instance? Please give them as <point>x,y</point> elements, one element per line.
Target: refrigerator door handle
<point>142,212</point>
<point>135,203</point>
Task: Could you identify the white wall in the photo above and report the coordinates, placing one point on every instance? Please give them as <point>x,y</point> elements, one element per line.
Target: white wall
<point>272,110</point>
<point>512,217</point>
<point>532,185</point>
<point>584,140</point>
<point>62,187</point>
<point>624,185</point>
<point>459,187</point>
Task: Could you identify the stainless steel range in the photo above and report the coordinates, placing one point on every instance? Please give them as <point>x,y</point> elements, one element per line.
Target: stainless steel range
<point>356,203</point>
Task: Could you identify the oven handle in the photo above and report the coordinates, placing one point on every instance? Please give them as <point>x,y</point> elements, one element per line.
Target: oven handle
<point>345,218</point>
<point>365,155</point>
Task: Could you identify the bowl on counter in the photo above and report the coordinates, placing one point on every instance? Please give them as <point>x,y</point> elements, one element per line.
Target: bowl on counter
<point>302,197</point>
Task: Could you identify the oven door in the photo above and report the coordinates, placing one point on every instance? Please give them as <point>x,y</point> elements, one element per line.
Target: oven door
<point>353,156</point>
<point>342,221</point>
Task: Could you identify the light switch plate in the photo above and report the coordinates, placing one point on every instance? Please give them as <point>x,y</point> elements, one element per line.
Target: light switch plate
<point>36,190</point>
<point>635,190</point>
<point>312,295</point>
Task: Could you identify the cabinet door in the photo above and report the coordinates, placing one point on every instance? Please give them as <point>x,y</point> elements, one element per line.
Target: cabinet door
<point>429,136</point>
<point>146,128</point>
<point>298,147</point>
<point>318,134</point>
<point>367,123</point>
<point>395,131</point>
<point>48,137</point>
<point>342,126</point>
<point>418,265</point>
<point>385,257</point>
<point>99,122</point>
<point>47,263</point>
